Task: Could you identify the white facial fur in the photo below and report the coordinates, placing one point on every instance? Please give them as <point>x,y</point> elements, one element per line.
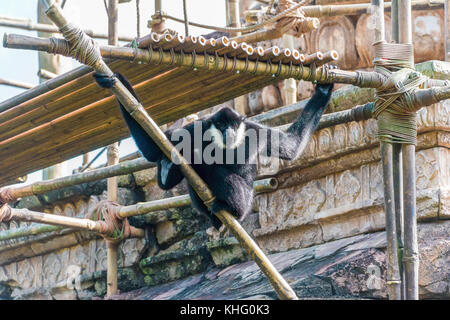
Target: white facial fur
<point>236,136</point>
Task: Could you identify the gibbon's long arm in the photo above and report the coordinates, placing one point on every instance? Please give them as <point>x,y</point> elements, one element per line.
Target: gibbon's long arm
<point>289,145</point>
<point>169,174</point>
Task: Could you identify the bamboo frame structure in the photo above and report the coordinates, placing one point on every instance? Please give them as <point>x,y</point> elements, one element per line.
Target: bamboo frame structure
<point>259,186</point>
<point>138,113</point>
<point>363,79</point>
<point>425,96</point>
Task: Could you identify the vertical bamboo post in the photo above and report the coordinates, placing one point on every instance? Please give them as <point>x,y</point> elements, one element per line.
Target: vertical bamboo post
<point>53,64</point>
<point>393,270</point>
<point>112,159</point>
<point>160,26</point>
<point>447,29</point>
<point>398,201</point>
<point>397,167</point>
<point>395,21</point>
<point>233,20</point>
<point>290,88</point>
<point>386,149</point>
<point>411,255</point>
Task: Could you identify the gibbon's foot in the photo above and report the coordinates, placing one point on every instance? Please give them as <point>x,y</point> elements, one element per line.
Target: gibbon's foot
<point>212,233</point>
<point>224,232</point>
<point>104,81</point>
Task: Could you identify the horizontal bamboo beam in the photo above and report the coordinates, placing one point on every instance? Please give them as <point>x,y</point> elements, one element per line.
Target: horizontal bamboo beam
<point>322,75</point>
<point>259,186</point>
<point>44,87</point>
<point>41,187</point>
<point>32,230</point>
<point>16,84</point>
<point>68,222</point>
<point>27,24</point>
<point>221,64</point>
<point>319,11</point>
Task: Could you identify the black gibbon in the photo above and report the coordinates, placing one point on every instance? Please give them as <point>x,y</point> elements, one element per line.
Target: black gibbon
<point>231,182</point>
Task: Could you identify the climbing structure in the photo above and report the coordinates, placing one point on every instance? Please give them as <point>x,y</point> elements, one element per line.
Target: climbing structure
<point>176,76</point>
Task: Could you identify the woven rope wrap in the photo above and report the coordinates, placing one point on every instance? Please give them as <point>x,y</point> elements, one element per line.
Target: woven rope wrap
<point>5,213</point>
<point>114,228</point>
<point>6,196</point>
<point>81,46</point>
<point>395,109</point>
<point>294,22</point>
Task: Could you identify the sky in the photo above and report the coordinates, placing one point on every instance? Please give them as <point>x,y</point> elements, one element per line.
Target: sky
<point>22,65</point>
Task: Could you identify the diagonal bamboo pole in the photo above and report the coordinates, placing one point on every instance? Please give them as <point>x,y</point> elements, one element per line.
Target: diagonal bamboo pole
<point>138,112</point>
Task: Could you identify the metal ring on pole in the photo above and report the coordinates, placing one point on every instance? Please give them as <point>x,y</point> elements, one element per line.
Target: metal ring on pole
<point>194,58</point>
<point>172,57</point>
<point>161,54</point>
<point>255,69</point>
<point>279,69</point>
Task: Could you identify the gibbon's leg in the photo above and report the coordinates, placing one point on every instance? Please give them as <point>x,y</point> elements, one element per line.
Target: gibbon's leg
<point>144,143</point>
<point>169,175</point>
<point>198,204</point>
<point>232,194</point>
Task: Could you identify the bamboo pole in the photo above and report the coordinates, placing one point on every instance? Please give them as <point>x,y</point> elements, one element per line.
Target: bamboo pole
<point>41,187</point>
<point>411,255</point>
<point>16,84</point>
<point>447,29</point>
<point>138,112</point>
<point>259,186</point>
<point>233,20</point>
<point>393,271</point>
<point>27,24</point>
<point>52,63</point>
<point>319,11</point>
<point>67,222</point>
<point>290,85</point>
<point>112,159</point>
<point>386,149</point>
<point>398,169</point>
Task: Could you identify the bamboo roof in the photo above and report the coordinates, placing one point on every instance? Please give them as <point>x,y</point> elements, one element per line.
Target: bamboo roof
<point>78,116</point>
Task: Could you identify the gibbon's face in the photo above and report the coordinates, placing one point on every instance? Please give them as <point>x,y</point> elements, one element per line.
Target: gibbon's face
<point>227,128</point>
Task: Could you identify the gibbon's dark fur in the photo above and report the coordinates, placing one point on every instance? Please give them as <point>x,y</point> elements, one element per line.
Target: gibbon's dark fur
<point>231,184</point>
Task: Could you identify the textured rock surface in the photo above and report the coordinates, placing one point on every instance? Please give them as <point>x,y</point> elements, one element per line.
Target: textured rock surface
<point>347,268</point>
